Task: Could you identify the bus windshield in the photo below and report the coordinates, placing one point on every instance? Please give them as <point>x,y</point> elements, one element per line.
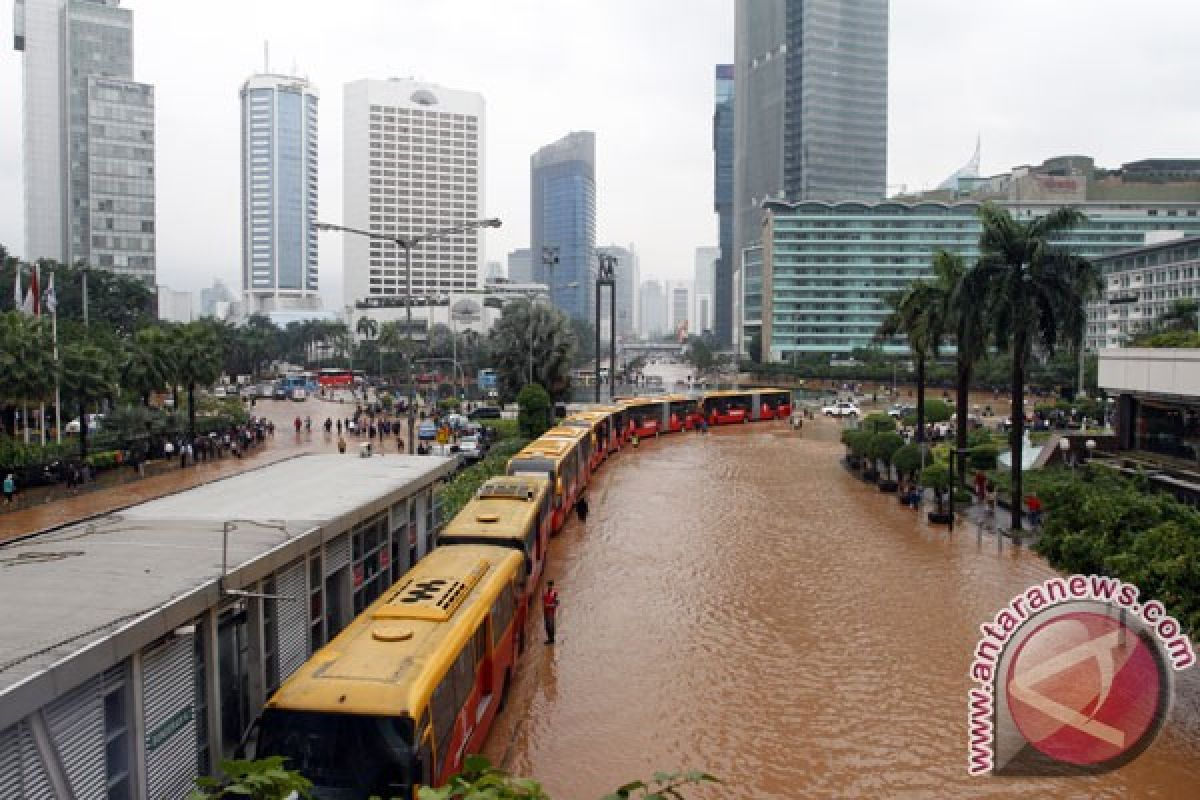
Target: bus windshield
<point>368,755</point>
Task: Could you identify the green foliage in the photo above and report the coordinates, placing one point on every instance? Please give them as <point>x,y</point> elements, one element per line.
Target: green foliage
<point>505,428</point>
<point>936,476</point>
<point>455,494</point>
<point>859,441</point>
<point>263,779</point>
<point>979,436</point>
<point>907,460</point>
<point>878,422</point>
<point>15,454</point>
<point>883,446</point>
<point>1100,522</point>
<point>937,410</point>
<point>1170,339</point>
<point>535,410</point>
<point>700,355</point>
<point>479,780</point>
<point>448,404</point>
<point>531,337</point>
<point>983,456</point>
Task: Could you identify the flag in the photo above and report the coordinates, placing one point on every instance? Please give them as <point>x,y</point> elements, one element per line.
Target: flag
<point>17,303</point>
<point>32,305</point>
<point>50,299</point>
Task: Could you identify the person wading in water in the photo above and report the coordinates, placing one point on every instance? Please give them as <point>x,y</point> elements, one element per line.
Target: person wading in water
<point>549,609</point>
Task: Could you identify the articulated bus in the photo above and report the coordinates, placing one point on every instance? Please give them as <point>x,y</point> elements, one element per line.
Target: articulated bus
<point>411,686</point>
<point>558,460</point>
<point>512,511</point>
<point>728,407</point>
<point>600,426</point>
<point>334,377</point>
<point>646,415</point>
<point>683,413</point>
<point>772,403</point>
<point>585,447</point>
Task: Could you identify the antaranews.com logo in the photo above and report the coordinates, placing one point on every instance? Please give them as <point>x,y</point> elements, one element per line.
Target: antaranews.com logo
<point>1074,676</point>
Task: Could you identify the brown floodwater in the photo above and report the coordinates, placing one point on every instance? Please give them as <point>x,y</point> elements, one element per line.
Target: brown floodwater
<point>738,603</point>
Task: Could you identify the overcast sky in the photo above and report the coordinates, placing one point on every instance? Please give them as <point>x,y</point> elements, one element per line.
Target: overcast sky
<point>1109,78</point>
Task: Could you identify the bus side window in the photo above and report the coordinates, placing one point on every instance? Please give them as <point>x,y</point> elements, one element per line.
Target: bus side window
<point>481,643</point>
<point>445,709</point>
<point>427,758</point>
<point>502,613</point>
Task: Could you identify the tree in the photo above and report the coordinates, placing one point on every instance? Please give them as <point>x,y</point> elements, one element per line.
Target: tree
<point>535,411</point>
<point>584,332</point>
<point>700,355</point>
<point>965,315</point>
<point>198,361</point>
<point>918,313</point>
<point>1035,294</point>
<point>88,377</point>
<point>143,368</point>
<point>532,341</point>
<point>26,362</point>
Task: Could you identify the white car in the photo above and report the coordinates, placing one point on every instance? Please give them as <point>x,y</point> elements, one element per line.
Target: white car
<point>94,421</point>
<point>220,391</point>
<point>842,409</point>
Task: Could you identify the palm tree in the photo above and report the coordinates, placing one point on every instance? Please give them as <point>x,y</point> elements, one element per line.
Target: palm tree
<point>26,361</point>
<point>89,376</point>
<point>367,328</point>
<point>918,313</point>
<point>198,360</point>
<point>143,368</point>
<point>1035,294</point>
<point>965,318</point>
<point>533,341</point>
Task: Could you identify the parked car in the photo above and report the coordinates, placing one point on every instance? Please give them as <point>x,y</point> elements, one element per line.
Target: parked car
<point>899,411</point>
<point>471,448</point>
<point>299,395</point>
<point>266,390</point>
<point>842,409</point>
<point>280,393</point>
<point>94,421</point>
<point>426,432</point>
<point>485,412</point>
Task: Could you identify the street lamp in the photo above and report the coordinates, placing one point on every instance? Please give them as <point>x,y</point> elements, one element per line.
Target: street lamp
<point>407,243</point>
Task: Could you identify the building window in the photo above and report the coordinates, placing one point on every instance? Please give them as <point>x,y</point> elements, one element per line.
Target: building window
<point>116,735</point>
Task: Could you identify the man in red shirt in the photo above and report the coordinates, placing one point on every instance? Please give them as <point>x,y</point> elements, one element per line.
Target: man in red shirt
<point>549,608</point>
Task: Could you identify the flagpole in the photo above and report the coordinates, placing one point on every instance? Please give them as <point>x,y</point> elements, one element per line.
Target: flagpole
<point>57,397</point>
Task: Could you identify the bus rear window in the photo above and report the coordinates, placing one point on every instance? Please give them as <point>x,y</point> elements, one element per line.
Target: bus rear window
<point>369,755</point>
<point>532,466</point>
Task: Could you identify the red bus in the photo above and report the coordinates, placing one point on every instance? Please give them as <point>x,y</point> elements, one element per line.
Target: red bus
<point>728,407</point>
<point>772,403</point>
<point>683,413</point>
<point>646,415</point>
<point>335,377</point>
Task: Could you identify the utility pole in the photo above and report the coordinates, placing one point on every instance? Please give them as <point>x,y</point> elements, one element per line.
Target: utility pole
<point>407,243</point>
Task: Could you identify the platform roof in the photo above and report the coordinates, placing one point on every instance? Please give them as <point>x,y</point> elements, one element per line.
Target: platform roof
<point>81,598</point>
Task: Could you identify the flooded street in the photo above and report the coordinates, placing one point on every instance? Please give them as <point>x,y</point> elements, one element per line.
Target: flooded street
<point>740,604</point>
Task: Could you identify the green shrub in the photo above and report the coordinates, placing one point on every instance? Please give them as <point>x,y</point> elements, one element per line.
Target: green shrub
<point>907,460</point>
<point>455,494</point>
<point>535,410</point>
<point>936,476</point>
<point>978,437</point>
<point>106,459</point>
<point>983,456</point>
<point>883,446</point>
<point>878,422</point>
<point>859,442</point>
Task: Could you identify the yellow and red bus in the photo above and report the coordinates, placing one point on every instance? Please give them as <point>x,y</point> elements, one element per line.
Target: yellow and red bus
<point>600,424</point>
<point>728,407</point>
<point>646,415</point>
<point>410,687</point>
<point>772,403</point>
<point>558,460</point>
<point>585,445</point>
<point>683,413</point>
<point>512,511</point>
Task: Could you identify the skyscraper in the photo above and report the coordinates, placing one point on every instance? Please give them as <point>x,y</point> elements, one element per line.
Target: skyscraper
<point>520,267</point>
<point>88,137</point>
<point>413,155</point>
<point>722,299</point>
<point>279,193</point>
<point>811,112</point>
<point>563,221</point>
<point>654,310</point>
<point>680,296</point>
<point>703,292</point>
<point>626,274</point>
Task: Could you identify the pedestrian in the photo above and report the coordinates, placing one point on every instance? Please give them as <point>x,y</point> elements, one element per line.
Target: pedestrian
<point>581,508</point>
<point>328,425</point>
<point>991,499</point>
<point>980,486</point>
<point>308,424</point>
<point>341,444</point>
<point>339,427</point>
<point>634,439</point>
<point>10,489</point>
<point>296,423</point>
<point>1035,510</point>
<point>549,610</point>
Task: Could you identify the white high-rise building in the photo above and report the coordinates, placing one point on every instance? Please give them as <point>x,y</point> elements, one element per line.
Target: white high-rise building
<point>88,137</point>
<point>653,317</point>
<point>279,194</point>
<point>413,164</point>
<point>704,292</point>
<point>679,309</point>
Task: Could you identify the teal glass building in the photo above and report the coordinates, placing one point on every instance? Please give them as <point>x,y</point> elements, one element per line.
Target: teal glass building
<point>818,281</point>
